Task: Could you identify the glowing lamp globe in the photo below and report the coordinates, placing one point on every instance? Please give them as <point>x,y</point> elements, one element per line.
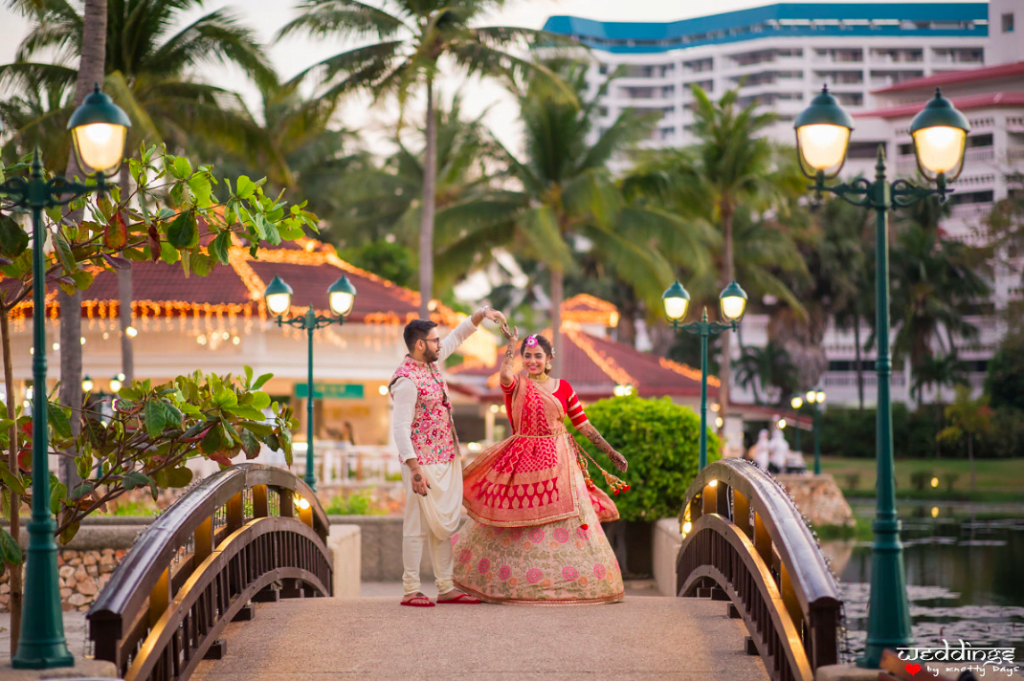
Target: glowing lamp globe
<point>99,132</point>
<point>940,139</point>
<point>733,300</point>
<point>675,300</point>
<point>823,136</point>
<point>278,296</point>
<point>341,297</point>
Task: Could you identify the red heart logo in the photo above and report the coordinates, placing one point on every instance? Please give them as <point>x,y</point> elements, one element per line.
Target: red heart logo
<point>913,668</point>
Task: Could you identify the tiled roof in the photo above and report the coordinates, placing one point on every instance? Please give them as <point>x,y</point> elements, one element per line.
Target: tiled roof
<point>586,309</point>
<point>1012,70</point>
<point>309,267</point>
<point>992,99</point>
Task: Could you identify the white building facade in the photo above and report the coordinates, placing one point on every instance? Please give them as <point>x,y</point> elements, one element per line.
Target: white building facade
<point>882,62</point>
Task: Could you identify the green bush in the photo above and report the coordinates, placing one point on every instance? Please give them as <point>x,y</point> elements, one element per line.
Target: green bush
<point>1006,437</point>
<point>661,442</point>
<point>851,432</point>
<point>357,503</point>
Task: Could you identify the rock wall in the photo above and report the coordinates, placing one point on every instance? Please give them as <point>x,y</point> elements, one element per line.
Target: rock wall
<point>819,498</point>
<point>81,575</point>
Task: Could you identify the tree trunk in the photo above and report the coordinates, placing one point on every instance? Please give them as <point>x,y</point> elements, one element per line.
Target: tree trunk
<point>557,295</point>
<point>427,209</point>
<point>860,368</point>
<point>12,464</point>
<point>124,291</point>
<point>728,274</point>
<point>970,457</point>
<point>90,72</point>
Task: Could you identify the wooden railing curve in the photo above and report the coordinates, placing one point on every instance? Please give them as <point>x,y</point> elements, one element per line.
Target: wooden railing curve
<point>748,541</point>
<point>234,537</point>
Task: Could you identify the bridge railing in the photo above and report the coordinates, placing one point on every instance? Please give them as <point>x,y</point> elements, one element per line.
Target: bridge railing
<point>247,533</point>
<point>745,541</point>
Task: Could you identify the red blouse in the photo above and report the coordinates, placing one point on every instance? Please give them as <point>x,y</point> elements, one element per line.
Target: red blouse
<point>563,393</point>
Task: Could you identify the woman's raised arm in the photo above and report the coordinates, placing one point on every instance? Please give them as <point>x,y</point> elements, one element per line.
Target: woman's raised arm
<point>508,362</point>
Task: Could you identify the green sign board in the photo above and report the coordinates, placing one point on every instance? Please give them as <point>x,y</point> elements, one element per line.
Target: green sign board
<point>331,391</point>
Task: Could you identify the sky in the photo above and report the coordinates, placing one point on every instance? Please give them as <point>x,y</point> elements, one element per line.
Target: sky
<point>293,55</point>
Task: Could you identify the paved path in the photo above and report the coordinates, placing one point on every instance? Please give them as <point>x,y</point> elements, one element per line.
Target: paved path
<point>655,638</point>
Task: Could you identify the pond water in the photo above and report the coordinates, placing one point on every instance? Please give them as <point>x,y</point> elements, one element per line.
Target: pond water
<point>965,575</point>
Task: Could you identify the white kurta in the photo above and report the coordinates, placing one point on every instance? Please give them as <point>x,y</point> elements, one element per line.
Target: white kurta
<point>433,519</point>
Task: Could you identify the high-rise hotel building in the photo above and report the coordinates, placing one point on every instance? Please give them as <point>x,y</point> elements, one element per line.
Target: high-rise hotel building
<point>882,61</point>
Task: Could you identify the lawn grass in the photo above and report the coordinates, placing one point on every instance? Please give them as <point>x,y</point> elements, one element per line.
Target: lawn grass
<point>997,479</point>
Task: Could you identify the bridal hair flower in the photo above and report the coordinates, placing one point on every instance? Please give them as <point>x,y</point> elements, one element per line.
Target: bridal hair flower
<point>531,341</point>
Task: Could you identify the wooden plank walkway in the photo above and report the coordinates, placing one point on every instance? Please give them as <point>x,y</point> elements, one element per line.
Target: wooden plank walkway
<point>670,639</point>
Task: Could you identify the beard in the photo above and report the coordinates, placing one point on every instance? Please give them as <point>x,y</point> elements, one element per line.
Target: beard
<point>430,355</point>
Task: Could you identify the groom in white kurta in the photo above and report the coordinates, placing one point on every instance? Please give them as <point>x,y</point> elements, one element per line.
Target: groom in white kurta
<point>428,447</point>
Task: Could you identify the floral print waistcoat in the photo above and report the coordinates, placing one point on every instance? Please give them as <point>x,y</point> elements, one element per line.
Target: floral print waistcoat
<point>433,433</point>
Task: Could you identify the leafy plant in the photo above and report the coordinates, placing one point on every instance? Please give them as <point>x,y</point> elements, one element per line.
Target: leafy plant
<point>661,442</point>
<point>357,503</point>
<point>154,431</point>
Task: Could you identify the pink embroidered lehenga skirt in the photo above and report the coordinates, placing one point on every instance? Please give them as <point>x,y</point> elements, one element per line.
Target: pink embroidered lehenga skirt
<point>534,535</point>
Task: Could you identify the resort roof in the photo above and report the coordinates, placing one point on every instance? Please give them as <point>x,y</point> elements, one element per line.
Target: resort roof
<point>1009,72</point>
<point>595,367</point>
<point>236,290</point>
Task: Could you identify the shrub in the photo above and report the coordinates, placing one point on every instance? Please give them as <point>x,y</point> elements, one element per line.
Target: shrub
<point>852,480</point>
<point>921,479</point>
<point>661,442</point>
<point>950,479</point>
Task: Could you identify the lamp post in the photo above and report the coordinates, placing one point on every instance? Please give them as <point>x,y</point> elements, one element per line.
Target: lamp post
<point>98,131</point>
<point>733,301</point>
<point>939,133</point>
<point>796,402</point>
<point>341,296</point>
<point>815,398</point>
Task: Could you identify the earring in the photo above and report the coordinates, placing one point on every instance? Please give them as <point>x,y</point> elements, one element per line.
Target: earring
<point>548,368</point>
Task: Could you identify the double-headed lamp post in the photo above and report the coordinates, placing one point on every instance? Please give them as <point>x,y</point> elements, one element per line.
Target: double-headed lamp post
<point>98,132</point>
<point>733,301</point>
<point>341,297</point>
<point>939,134</point>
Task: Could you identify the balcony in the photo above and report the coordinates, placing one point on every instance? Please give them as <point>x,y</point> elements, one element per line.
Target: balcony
<point>848,379</point>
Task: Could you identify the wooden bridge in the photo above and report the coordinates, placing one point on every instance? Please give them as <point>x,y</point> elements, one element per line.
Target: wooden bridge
<point>233,582</point>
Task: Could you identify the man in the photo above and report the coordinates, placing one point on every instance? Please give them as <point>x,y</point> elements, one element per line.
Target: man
<point>429,449</point>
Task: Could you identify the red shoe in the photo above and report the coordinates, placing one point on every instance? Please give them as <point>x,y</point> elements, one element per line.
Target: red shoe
<point>418,601</point>
<point>461,599</point>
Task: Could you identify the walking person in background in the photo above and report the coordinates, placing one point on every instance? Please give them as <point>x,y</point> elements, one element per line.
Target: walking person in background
<point>429,450</point>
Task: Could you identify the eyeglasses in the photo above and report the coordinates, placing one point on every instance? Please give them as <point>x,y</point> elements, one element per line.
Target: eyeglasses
<point>436,341</point>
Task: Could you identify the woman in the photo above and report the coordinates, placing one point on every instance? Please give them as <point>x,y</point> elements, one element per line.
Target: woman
<point>534,534</point>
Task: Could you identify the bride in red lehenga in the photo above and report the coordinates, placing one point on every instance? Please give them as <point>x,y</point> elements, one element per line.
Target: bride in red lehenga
<point>535,534</point>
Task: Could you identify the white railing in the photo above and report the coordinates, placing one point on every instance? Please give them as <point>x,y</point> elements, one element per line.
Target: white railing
<point>845,379</point>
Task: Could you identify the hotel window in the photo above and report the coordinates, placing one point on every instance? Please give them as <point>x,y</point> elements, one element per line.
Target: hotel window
<point>1007,21</point>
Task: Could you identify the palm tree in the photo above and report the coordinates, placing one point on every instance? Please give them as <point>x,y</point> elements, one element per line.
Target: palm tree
<point>769,366</point>
<point>934,283</point>
<point>567,201</point>
<point>91,38</point>
<point>387,199</point>
<point>415,36</point>
<point>149,72</point>
<point>731,165</point>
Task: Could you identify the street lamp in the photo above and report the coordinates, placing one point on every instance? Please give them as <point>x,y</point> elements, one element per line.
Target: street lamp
<point>733,302</point>
<point>939,133</point>
<point>341,297</point>
<point>816,397</point>
<point>796,402</point>
<point>98,129</point>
